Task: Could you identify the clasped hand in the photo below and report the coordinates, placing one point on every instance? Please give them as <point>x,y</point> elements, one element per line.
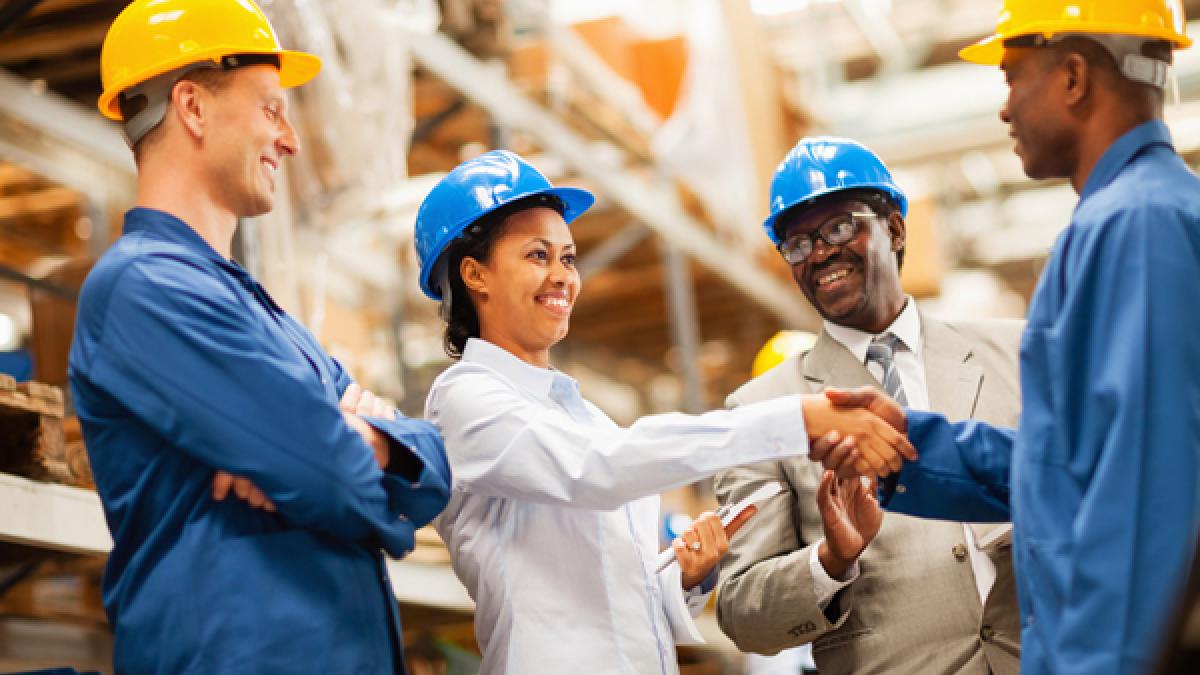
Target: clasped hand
<point>857,432</point>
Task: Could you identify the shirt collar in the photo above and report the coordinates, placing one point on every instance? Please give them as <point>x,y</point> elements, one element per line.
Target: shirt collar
<point>525,376</point>
<point>906,327</point>
<point>169,227</point>
<point>166,226</point>
<point>1122,151</point>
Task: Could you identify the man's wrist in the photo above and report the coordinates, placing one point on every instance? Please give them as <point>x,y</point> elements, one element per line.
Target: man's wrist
<point>835,567</point>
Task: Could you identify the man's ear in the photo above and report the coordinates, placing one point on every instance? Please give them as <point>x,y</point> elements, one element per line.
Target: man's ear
<point>1076,79</point>
<point>190,105</point>
<point>474,275</point>
<point>897,230</point>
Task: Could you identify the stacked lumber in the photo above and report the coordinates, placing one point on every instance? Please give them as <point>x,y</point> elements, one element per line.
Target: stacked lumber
<point>32,443</point>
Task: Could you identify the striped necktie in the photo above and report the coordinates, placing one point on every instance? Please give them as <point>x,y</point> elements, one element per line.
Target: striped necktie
<point>881,352</point>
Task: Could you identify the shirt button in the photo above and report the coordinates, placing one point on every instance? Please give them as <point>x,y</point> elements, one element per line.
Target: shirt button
<point>900,489</point>
<point>987,633</point>
<point>960,552</point>
<point>402,518</point>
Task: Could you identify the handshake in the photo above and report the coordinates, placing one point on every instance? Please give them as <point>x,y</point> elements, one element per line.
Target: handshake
<point>857,432</point>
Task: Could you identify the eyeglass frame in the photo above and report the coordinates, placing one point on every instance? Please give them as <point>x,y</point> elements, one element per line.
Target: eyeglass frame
<point>810,237</point>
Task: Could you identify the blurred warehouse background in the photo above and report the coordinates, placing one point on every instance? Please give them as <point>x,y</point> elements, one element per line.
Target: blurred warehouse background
<point>674,112</point>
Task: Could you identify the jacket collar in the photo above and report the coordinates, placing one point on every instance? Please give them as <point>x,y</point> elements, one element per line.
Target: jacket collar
<point>164,226</point>
<point>1122,151</point>
<point>952,378</point>
<point>170,228</point>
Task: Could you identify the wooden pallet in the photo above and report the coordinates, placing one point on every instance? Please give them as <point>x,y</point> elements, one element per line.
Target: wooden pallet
<point>31,435</point>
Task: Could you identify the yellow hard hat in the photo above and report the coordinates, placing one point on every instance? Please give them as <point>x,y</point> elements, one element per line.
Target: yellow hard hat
<point>1153,19</point>
<point>153,37</point>
<point>782,345</point>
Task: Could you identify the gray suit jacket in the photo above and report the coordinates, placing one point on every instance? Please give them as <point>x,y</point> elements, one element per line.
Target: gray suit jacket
<point>915,607</point>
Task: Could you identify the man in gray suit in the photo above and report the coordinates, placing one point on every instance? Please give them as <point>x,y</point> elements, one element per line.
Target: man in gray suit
<point>820,563</point>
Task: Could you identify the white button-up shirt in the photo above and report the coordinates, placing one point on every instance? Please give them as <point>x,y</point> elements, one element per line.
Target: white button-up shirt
<point>553,522</point>
<point>909,359</point>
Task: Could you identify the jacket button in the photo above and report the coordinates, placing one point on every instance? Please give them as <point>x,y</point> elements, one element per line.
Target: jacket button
<point>960,552</point>
<point>987,633</point>
<point>900,489</point>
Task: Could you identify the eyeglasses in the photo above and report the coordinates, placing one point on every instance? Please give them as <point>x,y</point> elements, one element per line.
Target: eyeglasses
<point>836,231</point>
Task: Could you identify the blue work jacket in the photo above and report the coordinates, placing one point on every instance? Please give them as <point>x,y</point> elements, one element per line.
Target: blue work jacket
<point>182,365</point>
<point>1101,479</point>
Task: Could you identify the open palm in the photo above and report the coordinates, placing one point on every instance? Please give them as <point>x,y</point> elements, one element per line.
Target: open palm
<point>850,515</point>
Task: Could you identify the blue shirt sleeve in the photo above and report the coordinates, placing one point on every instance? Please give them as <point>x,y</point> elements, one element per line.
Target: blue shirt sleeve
<point>423,444</point>
<point>179,351</point>
<point>961,473</point>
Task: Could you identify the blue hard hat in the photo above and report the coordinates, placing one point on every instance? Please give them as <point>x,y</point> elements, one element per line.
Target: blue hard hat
<point>826,165</point>
<point>474,189</point>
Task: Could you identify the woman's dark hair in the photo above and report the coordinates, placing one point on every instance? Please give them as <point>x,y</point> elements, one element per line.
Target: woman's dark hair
<point>476,242</point>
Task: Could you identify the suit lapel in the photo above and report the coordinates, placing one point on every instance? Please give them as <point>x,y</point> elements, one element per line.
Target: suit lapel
<point>830,361</point>
<point>952,378</point>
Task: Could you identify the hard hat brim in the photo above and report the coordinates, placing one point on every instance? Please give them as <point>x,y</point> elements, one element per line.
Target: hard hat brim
<point>295,68</point>
<point>987,52</point>
<point>575,202</point>
<point>990,50</point>
<point>890,190</point>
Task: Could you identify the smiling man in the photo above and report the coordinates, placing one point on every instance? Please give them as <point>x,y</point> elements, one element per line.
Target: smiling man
<point>190,381</point>
<point>820,564</point>
<point>1102,477</point>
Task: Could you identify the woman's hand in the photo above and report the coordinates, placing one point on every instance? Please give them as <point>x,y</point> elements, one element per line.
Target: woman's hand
<point>701,546</point>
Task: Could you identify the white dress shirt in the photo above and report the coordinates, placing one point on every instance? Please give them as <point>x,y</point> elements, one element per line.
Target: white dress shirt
<point>910,364</point>
<point>553,521</point>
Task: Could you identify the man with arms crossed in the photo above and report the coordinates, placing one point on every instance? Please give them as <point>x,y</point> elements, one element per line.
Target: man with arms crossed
<point>190,381</point>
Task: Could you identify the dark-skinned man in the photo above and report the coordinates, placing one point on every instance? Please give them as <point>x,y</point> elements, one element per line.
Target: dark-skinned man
<point>820,564</point>
<point>1101,477</point>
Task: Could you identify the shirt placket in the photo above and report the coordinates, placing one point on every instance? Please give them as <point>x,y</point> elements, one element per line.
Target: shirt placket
<point>290,332</point>
<point>567,396</point>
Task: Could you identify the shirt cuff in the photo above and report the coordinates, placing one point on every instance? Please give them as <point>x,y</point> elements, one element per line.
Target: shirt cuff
<point>824,585</point>
<point>402,461</point>
<point>697,597</point>
<point>774,428</point>
<point>681,607</point>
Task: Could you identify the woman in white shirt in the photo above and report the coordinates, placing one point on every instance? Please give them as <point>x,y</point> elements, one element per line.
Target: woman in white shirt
<point>552,525</point>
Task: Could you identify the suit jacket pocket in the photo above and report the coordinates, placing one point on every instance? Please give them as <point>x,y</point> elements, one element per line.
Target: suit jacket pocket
<point>839,638</point>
